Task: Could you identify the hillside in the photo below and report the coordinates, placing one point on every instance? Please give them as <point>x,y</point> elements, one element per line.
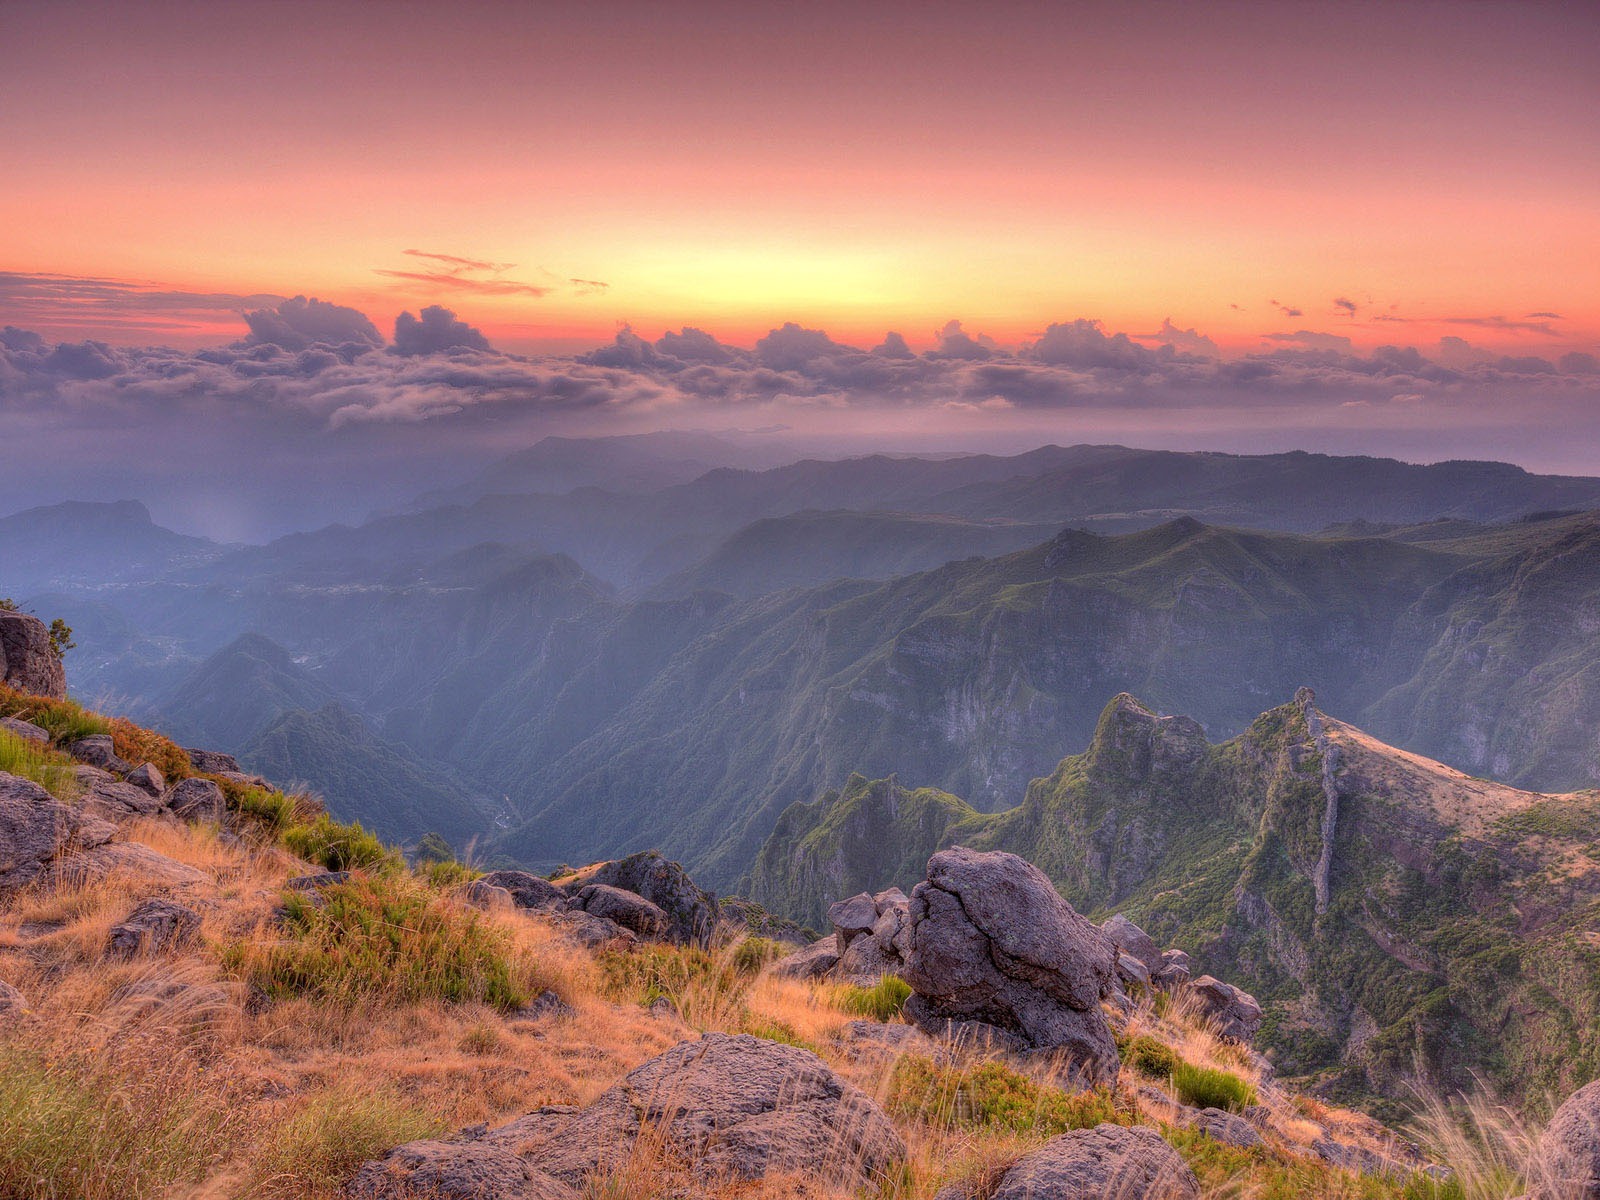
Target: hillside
<point>1391,913</point>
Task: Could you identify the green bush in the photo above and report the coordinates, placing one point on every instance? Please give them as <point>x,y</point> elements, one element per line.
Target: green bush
<point>338,847</point>
<point>386,939</point>
<point>447,873</point>
<point>1207,1087</point>
<point>993,1096</point>
<point>1151,1057</point>
<point>753,953</point>
<point>64,720</point>
<point>884,1001</point>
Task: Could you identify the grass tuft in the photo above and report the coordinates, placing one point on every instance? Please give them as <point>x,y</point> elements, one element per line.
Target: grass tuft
<point>321,1143</point>
<point>47,768</point>
<point>883,1001</point>
<point>991,1096</point>
<point>337,846</point>
<point>1208,1087</point>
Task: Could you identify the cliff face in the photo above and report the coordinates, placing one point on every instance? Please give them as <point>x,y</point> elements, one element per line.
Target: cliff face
<point>28,663</point>
<point>1394,916</point>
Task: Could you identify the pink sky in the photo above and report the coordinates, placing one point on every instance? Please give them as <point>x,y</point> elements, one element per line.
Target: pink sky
<point>857,168</point>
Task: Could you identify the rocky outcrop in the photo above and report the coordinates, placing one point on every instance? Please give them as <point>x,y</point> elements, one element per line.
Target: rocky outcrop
<point>155,926</point>
<point>811,962</point>
<point>147,777</point>
<point>1226,1127</point>
<point>730,1108</point>
<point>104,794</point>
<point>1322,873</point>
<point>995,949</point>
<point>1130,939</point>
<point>527,890</point>
<point>692,912</point>
<point>36,828</point>
<point>98,750</point>
<point>197,799</point>
<point>28,662</point>
<point>625,908</point>
<point>26,730</point>
<point>1567,1165</point>
<point>1233,1011</point>
<point>213,762</point>
<point>873,934</point>
<point>1108,1162</point>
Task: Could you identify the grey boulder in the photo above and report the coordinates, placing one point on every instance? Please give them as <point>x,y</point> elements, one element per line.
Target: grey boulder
<point>12,1002</point>
<point>460,1170</point>
<point>811,962</point>
<point>1108,1162</point>
<point>147,777</point>
<point>1226,1127</point>
<point>26,730</point>
<point>1234,1011</point>
<point>211,762</point>
<point>628,910</point>
<point>197,800</point>
<point>1567,1165</point>
<point>1130,939</point>
<point>527,890</point>
<point>36,829</point>
<point>155,926</point>
<point>98,751</point>
<point>28,662</point>
<point>103,793</point>
<point>692,912</point>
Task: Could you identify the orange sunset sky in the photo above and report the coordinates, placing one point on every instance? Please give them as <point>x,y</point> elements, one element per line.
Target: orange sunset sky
<point>1392,173</point>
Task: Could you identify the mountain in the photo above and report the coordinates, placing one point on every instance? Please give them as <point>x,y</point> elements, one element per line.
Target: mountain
<point>1393,915</point>
<point>236,692</point>
<point>363,778</point>
<point>84,545</point>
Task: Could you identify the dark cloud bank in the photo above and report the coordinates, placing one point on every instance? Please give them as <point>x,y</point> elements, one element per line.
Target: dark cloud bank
<point>316,405</point>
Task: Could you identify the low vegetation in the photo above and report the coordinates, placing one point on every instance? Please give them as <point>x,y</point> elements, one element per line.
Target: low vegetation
<point>883,1001</point>
<point>992,1096</point>
<point>1209,1087</point>
<point>50,770</point>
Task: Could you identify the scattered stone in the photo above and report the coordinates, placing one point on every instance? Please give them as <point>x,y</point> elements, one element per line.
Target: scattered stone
<point>28,662</point>
<point>627,909</point>
<point>993,945</point>
<point>107,796</point>
<point>662,1006</point>
<point>1108,1162</point>
<point>1226,1127</point>
<point>36,828</point>
<point>155,926</point>
<point>211,762</point>
<point>12,1003</point>
<point>592,931</point>
<point>546,1004</point>
<point>147,777</point>
<point>813,962</point>
<point>1235,1011</point>
<point>527,890</point>
<point>692,912</point>
<point>1132,970</point>
<point>1131,940</point>
<point>455,1170</point>
<point>1356,1158</point>
<point>26,730</point>
<point>852,918</point>
<point>887,1043</point>
<point>1173,972</point>
<point>1568,1160</point>
<point>98,751</point>
<point>317,881</point>
<point>197,800</point>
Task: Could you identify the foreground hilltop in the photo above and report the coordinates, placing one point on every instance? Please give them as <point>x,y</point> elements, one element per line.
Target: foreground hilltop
<point>1397,918</point>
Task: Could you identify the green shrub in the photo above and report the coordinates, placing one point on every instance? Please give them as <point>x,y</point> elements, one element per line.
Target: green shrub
<point>64,720</point>
<point>318,1145</point>
<point>883,1001</point>
<point>447,873</point>
<point>51,771</point>
<point>753,953</point>
<point>1207,1087</point>
<point>387,939</point>
<point>270,809</point>
<point>77,1129</point>
<point>1152,1057</point>
<point>993,1096</point>
<point>337,846</point>
<point>778,1031</point>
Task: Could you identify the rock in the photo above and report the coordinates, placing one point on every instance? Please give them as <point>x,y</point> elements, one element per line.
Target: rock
<point>1356,1158</point>
<point>813,962</point>
<point>527,890</point>
<point>1568,1158</point>
<point>546,1004</point>
<point>197,800</point>
<point>454,1170</point>
<point>692,912</point>
<point>1173,972</point>
<point>993,944</point>
<point>36,828</point>
<point>486,896</point>
<point>1235,1012</point>
<point>317,881</point>
<point>26,730</point>
<point>12,1003</point>
<point>129,860</point>
<point>852,918</point>
<point>627,909</point>
<point>866,962</point>
<point>147,777</point>
<point>1130,939</point>
<point>1226,1127</point>
<point>154,926</point>
<point>1108,1162</point>
<point>592,931</point>
<point>98,751</point>
<point>1132,970</point>
<point>107,796</point>
<point>887,1043</point>
<point>210,762</point>
<point>28,662</point>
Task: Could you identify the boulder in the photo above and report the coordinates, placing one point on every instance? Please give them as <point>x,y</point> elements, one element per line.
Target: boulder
<point>486,896</point>
<point>993,945</point>
<point>883,1043</point>
<point>873,934</point>
<point>128,860</point>
<point>147,777</point>
<point>729,1107</point>
<point>155,926</point>
<point>98,751</point>
<point>105,795</point>
<point>12,1003</point>
<point>1130,939</point>
<point>1235,1012</point>
<point>1358,1159</point>
<point>1226,1127</point>
<point>210,762</point>
<point>1132,970</point>
<point>813,962</point>
<point>627,909</point>
<point>1108,1162</point>
<point>456,1170</point>
<point>852,918</point>
<point>1567,1164</point>
<point>28,662</point>
<point>527,890</point>
<point>36,828</point>
<point>26,730</point>
<point>593,931</point>
<point>692,912</point>
<point>197,800</point>
<point>1173,972</point>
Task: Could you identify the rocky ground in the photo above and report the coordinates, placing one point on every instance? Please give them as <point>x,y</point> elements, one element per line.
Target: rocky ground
<point>208,988</point>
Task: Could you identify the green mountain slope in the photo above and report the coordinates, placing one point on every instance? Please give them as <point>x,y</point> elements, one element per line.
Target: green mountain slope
<point>1394,916</point>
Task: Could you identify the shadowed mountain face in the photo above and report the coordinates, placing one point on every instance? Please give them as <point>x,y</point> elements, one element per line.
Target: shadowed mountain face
<point>1392,914</point>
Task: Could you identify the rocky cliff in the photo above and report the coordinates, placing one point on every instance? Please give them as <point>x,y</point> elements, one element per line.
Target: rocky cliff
<point>28,662</point>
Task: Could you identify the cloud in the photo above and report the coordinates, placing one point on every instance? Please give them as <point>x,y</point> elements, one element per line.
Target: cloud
<point>589,287</point>
<point>955,342</point>
<point>1346,305</point>
<point>466,283</point>
<point>893,346</point>
<point>1547,316</point>
<point>1086,344</point>
<point>694,346</point>
<point>1507,325</point>
<point>1311,339</point>
<point>298,323</point>
<point>456,264</point>
<point>791,347</point>
<point>1187,341</point>
<point>1286,309</point>
<point>436,331</point>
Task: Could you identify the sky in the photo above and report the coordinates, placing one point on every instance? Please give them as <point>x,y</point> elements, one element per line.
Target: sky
<point>351,240</point>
